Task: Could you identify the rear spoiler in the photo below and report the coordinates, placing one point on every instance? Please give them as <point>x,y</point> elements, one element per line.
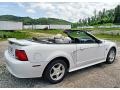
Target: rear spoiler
<point>18,42</point>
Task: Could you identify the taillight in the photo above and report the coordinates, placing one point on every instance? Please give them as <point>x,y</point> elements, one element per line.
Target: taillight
<point>21,55</point>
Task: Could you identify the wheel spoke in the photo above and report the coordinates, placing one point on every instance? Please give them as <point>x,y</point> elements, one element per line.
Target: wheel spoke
<point>54,68</point>
<point>59,67</point>
<point>57,76</point>
<point>53,74</point>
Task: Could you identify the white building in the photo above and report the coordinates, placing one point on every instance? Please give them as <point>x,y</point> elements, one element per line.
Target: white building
<point>112,26</point>
<point>11,25</point>
<point>40,26</point>
<point>47,26</point>
<point>59,26</point>
<point>28,27</point>
<point>85,27</point>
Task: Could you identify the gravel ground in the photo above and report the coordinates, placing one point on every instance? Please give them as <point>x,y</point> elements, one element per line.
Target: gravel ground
<point>101,75</point>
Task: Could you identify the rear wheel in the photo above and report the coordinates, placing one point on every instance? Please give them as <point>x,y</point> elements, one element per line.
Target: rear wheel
<point>55,71</point>
<point>111,56</point>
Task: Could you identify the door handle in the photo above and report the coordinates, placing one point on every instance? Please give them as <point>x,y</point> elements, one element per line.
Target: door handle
<point>82,48</point>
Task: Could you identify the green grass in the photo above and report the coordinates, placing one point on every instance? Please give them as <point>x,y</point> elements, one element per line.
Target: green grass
<point>2,39</point>
<point>46,31</point>
<point>108,37</point>
<point>21,34</point>
<point>106,24</point>
<point>104,29</point>
<point>33,33</point>
<point>15,34</point>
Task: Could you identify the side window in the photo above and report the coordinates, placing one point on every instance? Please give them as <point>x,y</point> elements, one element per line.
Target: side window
<point>85,38</point>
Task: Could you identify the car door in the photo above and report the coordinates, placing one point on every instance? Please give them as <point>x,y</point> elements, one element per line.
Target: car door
<point>88,50</point>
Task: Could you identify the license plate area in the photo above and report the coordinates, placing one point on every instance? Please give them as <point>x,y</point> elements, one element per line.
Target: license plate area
<point>11,51</point>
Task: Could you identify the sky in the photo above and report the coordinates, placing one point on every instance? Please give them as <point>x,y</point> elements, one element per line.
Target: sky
<point>72,11</point>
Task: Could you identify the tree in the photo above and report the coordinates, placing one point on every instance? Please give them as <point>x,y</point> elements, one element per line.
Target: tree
<point>102,17</point>
<point>117,15</point>
<point>89,21</point>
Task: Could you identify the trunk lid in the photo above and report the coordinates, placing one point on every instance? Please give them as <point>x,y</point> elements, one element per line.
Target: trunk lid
<point>17,44</point>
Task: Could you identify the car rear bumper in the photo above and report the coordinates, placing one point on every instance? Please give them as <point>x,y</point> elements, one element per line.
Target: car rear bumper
<point>24,69</point>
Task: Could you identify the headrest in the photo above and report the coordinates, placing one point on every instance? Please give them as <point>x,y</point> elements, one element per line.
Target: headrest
<point>58,36</point>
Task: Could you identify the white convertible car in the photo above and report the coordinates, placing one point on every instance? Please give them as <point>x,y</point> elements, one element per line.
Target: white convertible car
<point>51,58</point>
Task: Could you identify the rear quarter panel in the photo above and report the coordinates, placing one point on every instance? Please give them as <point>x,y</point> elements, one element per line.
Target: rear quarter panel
<point>47,52</point>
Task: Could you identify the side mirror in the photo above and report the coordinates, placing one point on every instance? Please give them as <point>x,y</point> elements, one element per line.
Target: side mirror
<point>99,41</point>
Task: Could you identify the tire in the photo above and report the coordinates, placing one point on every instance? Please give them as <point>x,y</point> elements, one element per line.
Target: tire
<point>111,56</point>
<point>55,71</point>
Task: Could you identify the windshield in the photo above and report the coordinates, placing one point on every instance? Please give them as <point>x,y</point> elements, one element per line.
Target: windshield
<point>80,36</point>
<point>76,33</point>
